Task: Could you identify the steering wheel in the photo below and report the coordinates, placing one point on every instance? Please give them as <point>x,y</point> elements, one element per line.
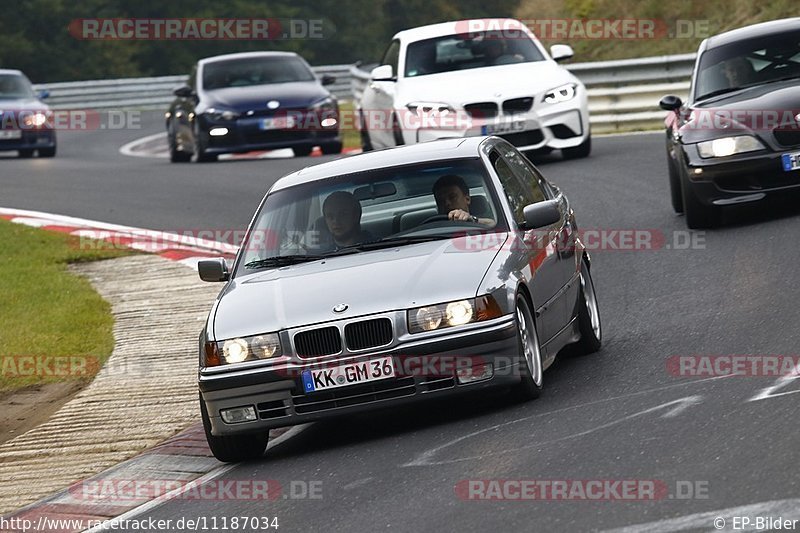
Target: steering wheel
<point>434,218</point>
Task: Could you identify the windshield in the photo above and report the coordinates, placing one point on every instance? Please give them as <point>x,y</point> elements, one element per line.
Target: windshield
<point>15,86</point>
<point>364,211</point>
<point>467,51</point>
<point>254,71</point>
<point>747,63</point>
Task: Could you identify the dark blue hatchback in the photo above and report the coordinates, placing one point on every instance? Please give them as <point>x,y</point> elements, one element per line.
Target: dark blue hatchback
<point>251,101</point>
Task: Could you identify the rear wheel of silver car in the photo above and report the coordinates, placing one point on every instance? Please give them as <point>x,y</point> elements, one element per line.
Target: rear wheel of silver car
<point>233,448</point>
<point>588,314</point>
<point>530,386</point>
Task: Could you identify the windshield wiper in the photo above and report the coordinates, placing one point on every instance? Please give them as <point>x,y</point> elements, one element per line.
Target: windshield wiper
<point>726,90</point>
<point>719,92</point>
<point>282,260</point>
<point>389,242</point>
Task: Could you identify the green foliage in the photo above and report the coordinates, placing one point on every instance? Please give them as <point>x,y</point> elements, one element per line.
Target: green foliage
<point>35,36</point>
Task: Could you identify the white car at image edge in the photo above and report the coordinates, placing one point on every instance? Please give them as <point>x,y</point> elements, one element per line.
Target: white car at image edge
<point>475,77</point>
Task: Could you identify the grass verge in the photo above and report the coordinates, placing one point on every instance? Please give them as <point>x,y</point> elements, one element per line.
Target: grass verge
<point>53,325</point>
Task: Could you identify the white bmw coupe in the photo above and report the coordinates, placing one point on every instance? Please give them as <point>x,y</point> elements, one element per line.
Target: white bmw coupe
<point>475,77</point>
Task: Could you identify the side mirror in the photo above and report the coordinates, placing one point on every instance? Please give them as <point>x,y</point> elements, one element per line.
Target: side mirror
<point>670,103</point>
<point>382,73</point>
<point>184,91</point>
<point>559,52</point>
<point>44,93</point>
<point>327,79</point>
<point>213,270</point>
<point>541,214</point>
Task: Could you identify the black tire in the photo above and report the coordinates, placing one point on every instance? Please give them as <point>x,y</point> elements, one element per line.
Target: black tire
<point>302,151</point>
<point>200,147</point>
<point>47,152</point>
<point>588,315</point>
<point>203,157</point>
<point>26,154</point>
<point>674,185</point>
<point>366,142</point>
<point>580,151</point>
<point>698,215</point>
<point>234,448</point>
<point>528,388</point>
<point>176,156</point>
<point>331,148</point>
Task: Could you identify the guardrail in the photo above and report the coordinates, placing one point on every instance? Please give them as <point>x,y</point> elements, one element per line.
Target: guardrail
<point>623,94</point>
<point>150,93</point>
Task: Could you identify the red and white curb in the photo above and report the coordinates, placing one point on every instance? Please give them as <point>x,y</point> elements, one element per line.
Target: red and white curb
<point>183,461</point>
<point>185,249</point>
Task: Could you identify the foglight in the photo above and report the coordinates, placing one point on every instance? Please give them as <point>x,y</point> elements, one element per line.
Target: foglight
<point>239,414</point>
<point>475,373</point>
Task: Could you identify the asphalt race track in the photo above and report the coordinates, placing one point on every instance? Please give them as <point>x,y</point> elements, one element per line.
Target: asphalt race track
<point>620,414</point>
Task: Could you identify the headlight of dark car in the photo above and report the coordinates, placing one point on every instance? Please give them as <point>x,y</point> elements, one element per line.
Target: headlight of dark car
<point>241,349</point>
<point>457,313</point>
<point>328,111</point>
<point>726,146</point>
<point>212,113</point>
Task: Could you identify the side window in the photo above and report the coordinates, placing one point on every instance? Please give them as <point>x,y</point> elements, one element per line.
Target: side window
<point>392,56</point>
<point>521,183</point>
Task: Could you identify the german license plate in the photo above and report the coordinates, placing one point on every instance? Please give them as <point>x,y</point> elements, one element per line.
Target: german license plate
<point>10,134</point>
<point>791,161</point>
<point>276,123</point>
<point>505,127</point>
<point>349,374</point>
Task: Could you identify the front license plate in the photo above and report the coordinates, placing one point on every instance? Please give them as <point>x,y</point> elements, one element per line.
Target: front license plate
<point>10,134</point>
<point>791,161</point>
<point>350,374</point>
<point>276,123</point>
<point>506,127</point>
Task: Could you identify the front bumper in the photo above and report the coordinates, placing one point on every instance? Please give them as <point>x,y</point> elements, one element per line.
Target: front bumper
<point>424,370</point>
<point>246,135</point>
<point>738,179</point>
<point>30,139</point>
<point>555,127</point>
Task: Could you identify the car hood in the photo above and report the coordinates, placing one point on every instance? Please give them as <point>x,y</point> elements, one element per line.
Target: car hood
<point>22,104</point>
<point>484,84</point>
<point>289,95</point>
<point>757,109</point>
<point>368,282</point>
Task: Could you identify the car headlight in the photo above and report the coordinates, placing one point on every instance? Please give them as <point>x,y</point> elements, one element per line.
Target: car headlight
<point>240,349</point>
<point>328,104</point>
<point>34,120</point>
<point>560,94</point>
<point>432,108</point>
<point>220,114</point>
<point>457,313</point>
<point>726,146</point>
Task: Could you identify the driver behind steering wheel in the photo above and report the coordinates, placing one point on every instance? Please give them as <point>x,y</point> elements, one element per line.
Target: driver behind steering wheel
<point>452,199</point>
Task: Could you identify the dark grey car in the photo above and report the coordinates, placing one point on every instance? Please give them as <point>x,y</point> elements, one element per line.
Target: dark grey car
<point>422,300</point>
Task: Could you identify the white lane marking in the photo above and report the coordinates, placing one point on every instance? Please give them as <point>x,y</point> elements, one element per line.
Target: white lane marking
<point>358,483</point>
<point>786,509</point>
<point>769,392</point>
<point>149,239</point>
<point>130,149</point>
<point>192,485</point>
<point>425,459</point>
